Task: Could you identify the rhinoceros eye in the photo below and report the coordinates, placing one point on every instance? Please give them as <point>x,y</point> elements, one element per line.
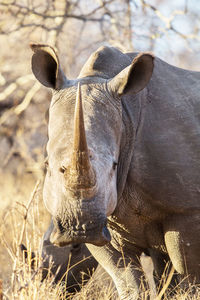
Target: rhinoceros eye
<point>91,154</point>
<point>115,165</point>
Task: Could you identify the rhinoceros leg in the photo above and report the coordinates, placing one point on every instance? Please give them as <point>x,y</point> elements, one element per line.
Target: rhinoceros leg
<point>126,272</point>
<point>67,263</point>
<point>182,238</point>
<point>161,261</point>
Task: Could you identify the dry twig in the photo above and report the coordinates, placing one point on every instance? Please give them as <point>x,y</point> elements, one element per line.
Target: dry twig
<point>13,279</point>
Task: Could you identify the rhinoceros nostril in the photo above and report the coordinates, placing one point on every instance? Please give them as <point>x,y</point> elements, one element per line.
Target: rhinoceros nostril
<point>59,226</point>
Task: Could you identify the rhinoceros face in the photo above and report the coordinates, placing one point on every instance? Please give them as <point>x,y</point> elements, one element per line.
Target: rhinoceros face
<point>85,125</point>
<point>83,148</point>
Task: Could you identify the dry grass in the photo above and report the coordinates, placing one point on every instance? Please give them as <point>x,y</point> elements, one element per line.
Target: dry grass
<point>24,219</point>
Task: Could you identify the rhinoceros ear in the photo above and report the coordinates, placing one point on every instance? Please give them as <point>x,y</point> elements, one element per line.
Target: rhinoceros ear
<point>46,66</point>
<point>133,78</point>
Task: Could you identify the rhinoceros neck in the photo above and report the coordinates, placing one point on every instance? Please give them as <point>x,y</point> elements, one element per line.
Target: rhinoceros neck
<point>167,141</point>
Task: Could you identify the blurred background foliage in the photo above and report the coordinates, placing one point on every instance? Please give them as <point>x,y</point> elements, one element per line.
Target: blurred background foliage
<point>168,28</point>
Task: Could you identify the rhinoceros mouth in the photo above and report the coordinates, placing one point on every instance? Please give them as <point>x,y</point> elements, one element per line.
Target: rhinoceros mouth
<point>98,236</point>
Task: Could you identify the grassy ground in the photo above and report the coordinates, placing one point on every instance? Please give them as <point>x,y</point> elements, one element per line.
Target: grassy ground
<point>24,219</point>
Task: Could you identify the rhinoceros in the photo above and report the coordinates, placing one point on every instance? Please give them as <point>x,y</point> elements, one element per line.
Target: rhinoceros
<point>124,162</point>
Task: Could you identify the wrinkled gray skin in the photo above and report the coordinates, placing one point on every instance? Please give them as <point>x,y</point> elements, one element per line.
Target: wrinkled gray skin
<point>150,126</point>
<point>68,264</point>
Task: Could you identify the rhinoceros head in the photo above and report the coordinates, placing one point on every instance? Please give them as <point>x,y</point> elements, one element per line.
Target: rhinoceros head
<point>85,127</point>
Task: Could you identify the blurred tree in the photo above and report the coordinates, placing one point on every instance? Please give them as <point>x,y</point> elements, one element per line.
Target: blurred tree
<point>76,28</point>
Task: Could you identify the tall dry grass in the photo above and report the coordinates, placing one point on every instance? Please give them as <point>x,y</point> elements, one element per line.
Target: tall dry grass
<point>24,220</point>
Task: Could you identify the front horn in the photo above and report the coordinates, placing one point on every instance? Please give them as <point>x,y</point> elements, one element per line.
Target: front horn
<point>80,174</point>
